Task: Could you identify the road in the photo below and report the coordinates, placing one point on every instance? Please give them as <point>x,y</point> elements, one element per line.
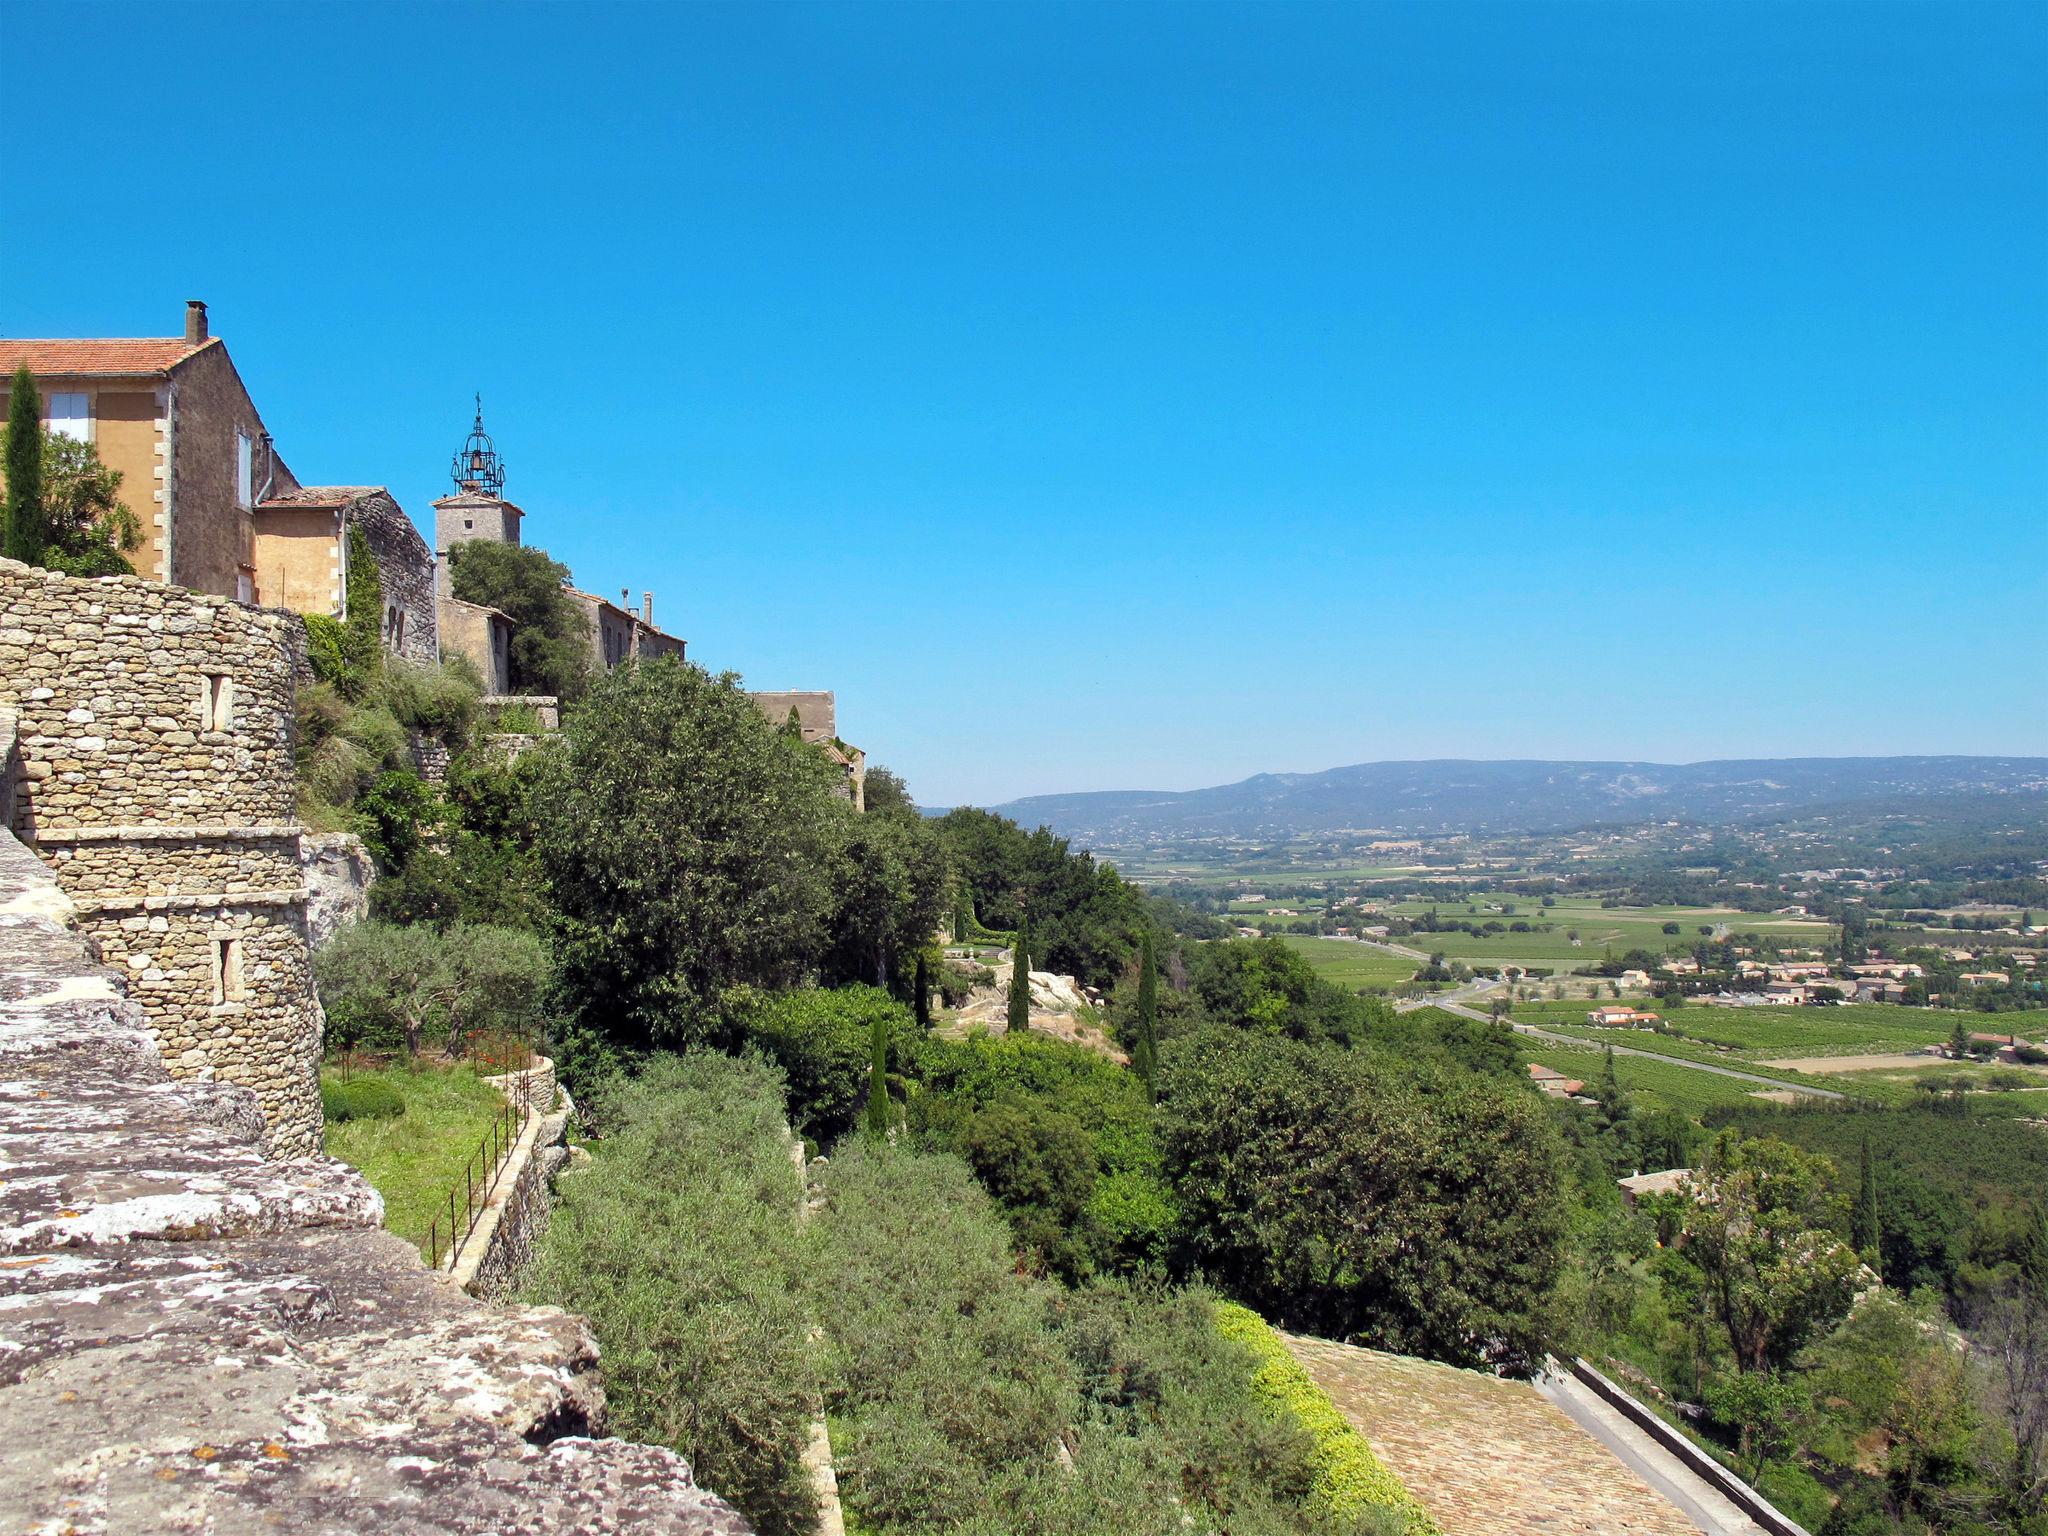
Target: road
<point>1691,1494</point>
<point>1629,1050</point>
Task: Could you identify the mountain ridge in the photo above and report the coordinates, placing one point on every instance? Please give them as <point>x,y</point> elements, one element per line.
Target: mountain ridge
<point>1438,795</point>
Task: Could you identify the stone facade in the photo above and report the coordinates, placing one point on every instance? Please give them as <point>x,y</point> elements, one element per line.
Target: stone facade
<point>406,567</point>
<point>199,1339</point>
<point>468,516</point>
<point>618,634</point>
<point>817,718</point>
<point>484,635</point>
<point>153,773</point>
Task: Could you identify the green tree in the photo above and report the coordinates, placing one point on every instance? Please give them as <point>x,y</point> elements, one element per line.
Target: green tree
<point>688,849</point>
<point>823,1040</point>
<point>407,986</point>
<point>1145,1050</point>
<point>921,990</point>
<point>878,1077</point>
<point>88,529</point>
<point>1761,1227</point>
<point>1762,1407</point>
<point>1019,1016</point>
<point>26,533</point>
<point>550,651</point>
<point>1419,1211</point>
<point>1864,1229</point>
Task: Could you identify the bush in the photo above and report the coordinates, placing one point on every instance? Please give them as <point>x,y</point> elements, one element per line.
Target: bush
<point>360,1099</point>
<point>326,651</point>
<point>1349,1479</point>
<point>441,702</point>
<point>680,1245</point>
<point>821,1040</point>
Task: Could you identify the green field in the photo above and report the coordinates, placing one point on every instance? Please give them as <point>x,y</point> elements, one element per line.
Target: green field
<point>1762,1034</point>
<point>1601,930</point>
<point>1352,965</point>
<point>1652,1083</point>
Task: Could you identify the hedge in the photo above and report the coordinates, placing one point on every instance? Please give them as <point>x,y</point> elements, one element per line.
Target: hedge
<point>360,1099</point>
<point>1349,1478</point>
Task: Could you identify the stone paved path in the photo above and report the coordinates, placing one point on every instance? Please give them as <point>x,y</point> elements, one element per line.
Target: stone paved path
<point>1486,1457</point>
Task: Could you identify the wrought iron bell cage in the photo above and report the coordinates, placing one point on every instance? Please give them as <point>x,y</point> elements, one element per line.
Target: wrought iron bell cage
<point>477,467</point>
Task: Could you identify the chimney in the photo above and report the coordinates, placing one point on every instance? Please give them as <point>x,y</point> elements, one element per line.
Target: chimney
<point>195,322</point>
<point>626,598</point>
<point>647,609</point>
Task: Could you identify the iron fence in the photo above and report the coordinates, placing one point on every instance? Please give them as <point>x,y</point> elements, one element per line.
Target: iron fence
<point>480,1177</point>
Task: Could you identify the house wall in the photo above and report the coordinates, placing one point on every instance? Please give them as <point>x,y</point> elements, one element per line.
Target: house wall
<point>464,518</point>
<point>405,566</point>
<point>469,629</point>
<point>153,774</point>
<point>297,554</point>
<point>125,430</point>
<point>211,533</point>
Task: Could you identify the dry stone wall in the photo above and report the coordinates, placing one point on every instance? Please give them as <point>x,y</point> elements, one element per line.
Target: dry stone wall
<point>196,1338</point>
<point>153,773</point>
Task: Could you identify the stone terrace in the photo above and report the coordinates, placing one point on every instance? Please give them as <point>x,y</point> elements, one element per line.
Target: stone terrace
<point>1486,1457</point>
<point>194,1338</point>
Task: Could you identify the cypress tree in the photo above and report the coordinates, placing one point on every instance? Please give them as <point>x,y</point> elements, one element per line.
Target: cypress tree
<point>1145,1055</point>
<point>25,533</point>
<point>922,997</point>
<point>878,1075</point>
<point>1863,1226</point>
<point>1020,979</point>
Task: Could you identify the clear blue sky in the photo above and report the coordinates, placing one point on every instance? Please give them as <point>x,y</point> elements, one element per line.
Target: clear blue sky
<point>1121,396</point>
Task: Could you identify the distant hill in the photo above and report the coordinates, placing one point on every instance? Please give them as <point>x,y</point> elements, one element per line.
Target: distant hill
<point>1451,795</point>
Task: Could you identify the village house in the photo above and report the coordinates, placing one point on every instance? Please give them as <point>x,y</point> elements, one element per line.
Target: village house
<point>221,512</point>
<point>1666,1181</point>
<point>1984,979</point>
<point>1553,1082</point>
<point>170,415</point>
<point>1681,965</point>
<point>1620,1016</point>
<point>814,712</point>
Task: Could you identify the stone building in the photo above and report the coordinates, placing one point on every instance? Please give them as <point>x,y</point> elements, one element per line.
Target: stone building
<point>484,635</point>
<point>172,416</point>
<point>301,559</point>
<point>148,763</point>
<point>816,712</point>
<point>619,634</point>
<point>479,513</point>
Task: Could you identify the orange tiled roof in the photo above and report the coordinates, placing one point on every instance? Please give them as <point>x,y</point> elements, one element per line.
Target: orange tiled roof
<point>322,496</point>
<point>99,355</point>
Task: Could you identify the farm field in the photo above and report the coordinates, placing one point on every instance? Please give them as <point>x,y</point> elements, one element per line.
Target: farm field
<point>1760,1034</point>
<point>1601,930</point>
<point>1653,1083</point>
<point>1351,965</point>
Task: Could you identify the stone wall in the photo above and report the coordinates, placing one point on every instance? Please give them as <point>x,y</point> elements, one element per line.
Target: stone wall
<point>405,566</point>
<point>154,774</point>
<point>199,1339</point>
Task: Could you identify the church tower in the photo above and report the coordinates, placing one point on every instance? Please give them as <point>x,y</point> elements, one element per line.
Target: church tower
<point>478,509</point>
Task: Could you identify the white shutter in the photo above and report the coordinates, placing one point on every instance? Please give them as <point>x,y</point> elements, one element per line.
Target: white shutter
<point>245,478</point>
<point>70,416</point>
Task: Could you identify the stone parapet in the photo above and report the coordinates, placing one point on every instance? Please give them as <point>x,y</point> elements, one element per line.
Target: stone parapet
<point>196,1338</point>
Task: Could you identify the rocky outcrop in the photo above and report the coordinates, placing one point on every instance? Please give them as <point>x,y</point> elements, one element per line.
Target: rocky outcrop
<point>196,1338</point>
<point>338,872</point>
<point>1059,1008</point>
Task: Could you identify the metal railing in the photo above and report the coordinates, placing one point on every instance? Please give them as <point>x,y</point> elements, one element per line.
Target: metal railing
<point>480,1177</point>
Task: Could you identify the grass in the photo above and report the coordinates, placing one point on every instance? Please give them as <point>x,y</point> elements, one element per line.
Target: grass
<point>413,1160</point>
<point>1352,965</point>
<point>1763,1034</point>
<point>1653,1083</point>
<point>1601,930</point>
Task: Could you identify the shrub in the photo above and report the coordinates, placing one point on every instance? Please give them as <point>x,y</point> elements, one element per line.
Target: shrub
<point>441,702</point>
<point>680,1245</point>
<point>393,816</point>
<point>326,650</point>
<point>360,1099</point>
<point>1349,1479</point>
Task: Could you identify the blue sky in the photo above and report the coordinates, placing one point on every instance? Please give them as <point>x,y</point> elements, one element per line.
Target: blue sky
<point>1120,396</point>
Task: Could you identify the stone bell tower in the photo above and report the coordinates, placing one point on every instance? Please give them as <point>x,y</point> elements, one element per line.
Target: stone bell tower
<point>478,509</point>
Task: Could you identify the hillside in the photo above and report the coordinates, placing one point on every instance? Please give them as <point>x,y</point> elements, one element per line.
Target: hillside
<point>1450,795</point>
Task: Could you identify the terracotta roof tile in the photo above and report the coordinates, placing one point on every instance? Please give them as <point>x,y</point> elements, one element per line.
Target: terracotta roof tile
<point>322,496</point>
<point>99,355</point>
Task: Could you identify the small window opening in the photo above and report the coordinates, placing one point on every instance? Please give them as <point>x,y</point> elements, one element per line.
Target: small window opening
<point>227,971</point>
<point>217,703</point>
